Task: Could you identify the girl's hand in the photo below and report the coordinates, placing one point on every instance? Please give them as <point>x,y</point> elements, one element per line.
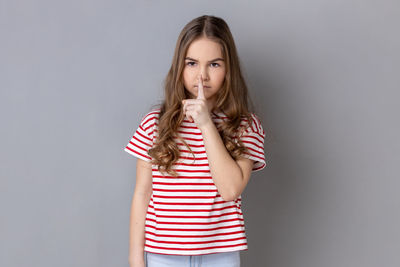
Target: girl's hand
<point>136,260</point>
<point>137,263</point>
<point>196,110</point>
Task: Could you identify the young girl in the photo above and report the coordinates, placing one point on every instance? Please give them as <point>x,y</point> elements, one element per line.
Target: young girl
<point>195,156</point>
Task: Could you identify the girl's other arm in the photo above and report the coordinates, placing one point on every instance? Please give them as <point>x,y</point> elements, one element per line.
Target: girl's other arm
<point>140,202</point>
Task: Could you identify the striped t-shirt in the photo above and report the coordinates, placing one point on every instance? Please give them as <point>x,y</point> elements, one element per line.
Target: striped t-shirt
<point>186,215</point>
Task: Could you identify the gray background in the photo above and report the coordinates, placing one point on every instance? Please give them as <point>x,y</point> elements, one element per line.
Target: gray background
<point>77,76</point>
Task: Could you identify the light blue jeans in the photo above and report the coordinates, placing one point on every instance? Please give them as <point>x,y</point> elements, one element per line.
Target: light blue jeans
<point>221,259</point>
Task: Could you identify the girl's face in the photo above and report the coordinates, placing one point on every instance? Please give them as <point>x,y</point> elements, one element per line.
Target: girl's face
<point>204,57</point>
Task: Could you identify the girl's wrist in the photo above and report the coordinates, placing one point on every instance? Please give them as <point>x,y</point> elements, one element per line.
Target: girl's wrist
<point>207,126</point>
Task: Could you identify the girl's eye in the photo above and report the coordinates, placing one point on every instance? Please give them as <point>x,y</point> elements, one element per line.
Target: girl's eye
<point>190,63</point>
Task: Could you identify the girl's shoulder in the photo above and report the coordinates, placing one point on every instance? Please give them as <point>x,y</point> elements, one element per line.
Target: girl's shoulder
<point>152,115</point>
<point>255,125</point>
<point>253,117</point>
<point>251,124</point>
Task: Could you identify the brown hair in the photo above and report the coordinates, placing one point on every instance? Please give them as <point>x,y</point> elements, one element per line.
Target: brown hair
<point>232,99</point>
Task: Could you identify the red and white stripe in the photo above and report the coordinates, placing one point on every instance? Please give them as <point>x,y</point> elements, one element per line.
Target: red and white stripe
<point>186,214</point>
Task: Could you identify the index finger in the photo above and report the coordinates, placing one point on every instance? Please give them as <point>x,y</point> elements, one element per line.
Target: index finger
<point>200,89</point>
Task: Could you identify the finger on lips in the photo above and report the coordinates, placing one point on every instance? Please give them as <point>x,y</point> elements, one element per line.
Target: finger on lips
<point>200,95</point>
<point>200,89</point>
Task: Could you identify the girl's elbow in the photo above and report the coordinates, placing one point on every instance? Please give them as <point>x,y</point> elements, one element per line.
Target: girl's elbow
<point>226,198</point>
<point>229,196</point>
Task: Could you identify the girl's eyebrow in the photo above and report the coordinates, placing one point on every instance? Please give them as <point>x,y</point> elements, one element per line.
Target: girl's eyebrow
<point>216,59</point>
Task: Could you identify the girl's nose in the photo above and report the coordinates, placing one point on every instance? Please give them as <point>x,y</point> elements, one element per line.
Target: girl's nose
<point>203,75</point>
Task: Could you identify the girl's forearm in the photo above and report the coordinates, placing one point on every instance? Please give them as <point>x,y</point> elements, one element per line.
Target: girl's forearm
<point>225,172</point>
<point>139,206</point>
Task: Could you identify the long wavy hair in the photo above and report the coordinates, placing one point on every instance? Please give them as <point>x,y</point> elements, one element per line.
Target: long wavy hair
<point>232,98</point>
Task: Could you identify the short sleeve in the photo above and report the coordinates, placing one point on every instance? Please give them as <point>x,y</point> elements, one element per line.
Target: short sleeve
<point>142,139</point>
<point>253,139</point>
